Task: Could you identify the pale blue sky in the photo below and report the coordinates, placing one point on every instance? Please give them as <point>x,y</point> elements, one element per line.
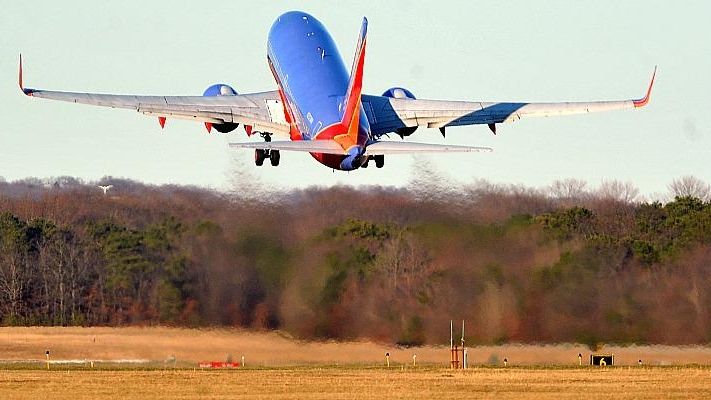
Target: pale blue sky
<point>465,50</point>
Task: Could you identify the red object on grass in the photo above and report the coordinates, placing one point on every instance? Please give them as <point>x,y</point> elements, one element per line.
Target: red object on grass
<point>218,364</point>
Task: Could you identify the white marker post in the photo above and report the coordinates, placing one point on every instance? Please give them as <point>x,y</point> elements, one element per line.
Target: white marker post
<point>242,362</point>
<point>46,353</point>
<point>414,360</point>
<point>387,359</point>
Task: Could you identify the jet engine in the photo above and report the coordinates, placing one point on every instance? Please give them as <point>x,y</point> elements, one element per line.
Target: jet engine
<point>221,89</point>
<point>401,93</point>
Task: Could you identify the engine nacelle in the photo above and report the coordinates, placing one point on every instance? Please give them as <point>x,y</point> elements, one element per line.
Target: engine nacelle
<point>221,89</point>
<point>401,93</point>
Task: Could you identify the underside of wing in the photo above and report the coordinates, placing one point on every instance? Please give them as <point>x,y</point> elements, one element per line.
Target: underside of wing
<point>388,114</point>
<point>263,111</point>
<point>309,146</point>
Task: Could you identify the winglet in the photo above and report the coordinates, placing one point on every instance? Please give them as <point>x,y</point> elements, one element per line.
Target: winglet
<point>28,92</point>
<point>644,100</point>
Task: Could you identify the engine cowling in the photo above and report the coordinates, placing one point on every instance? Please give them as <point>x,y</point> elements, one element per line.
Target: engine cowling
<point>401,93</point>
<point>221,89</point>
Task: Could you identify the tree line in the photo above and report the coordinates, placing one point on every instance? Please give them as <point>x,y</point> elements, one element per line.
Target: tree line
<point>564,264</point>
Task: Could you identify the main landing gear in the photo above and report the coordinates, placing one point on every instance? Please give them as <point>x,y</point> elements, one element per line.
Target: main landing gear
<point>262,154</point>
<point>379,161</point>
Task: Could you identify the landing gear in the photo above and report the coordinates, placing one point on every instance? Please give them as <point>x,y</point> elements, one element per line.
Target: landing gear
<point>274,157</point>
<point>379,161</point>
<point>262,154</point>
<point>259,156</point>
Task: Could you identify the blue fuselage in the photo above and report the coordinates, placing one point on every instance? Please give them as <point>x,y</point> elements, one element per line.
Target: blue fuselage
<point>312,79</point>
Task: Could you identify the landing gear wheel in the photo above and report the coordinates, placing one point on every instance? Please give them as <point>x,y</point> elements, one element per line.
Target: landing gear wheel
<point>379,161</point>
<point>259,156</point>
<point>274,157</point>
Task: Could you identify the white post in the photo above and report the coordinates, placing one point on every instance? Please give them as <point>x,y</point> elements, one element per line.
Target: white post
<point>414,360</point>
<point>242,365</point>
<point>464,349</point>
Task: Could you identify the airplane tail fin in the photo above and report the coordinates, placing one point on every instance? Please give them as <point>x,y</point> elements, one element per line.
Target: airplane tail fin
<point>351,103</point>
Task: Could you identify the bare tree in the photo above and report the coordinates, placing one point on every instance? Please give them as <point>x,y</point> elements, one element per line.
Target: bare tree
<point>568,189</point>
<point>692,186</point>
<point>405,264</point>
<point>625,192</point>
<point>13,281</point>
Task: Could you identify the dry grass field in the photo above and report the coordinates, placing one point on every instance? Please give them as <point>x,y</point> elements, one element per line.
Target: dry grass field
<point>280,367</point>
<point>360,383</point>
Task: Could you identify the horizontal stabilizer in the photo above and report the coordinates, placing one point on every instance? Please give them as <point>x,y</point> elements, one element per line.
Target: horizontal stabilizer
<point>387,147</point>
<point>310,146</point>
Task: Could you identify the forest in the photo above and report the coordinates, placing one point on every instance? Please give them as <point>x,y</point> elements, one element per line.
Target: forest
<point>565,263</point>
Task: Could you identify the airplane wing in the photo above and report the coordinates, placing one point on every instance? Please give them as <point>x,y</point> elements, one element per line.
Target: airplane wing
<point>263,111</point>
<point>388,114</point>
<point>375,148</point>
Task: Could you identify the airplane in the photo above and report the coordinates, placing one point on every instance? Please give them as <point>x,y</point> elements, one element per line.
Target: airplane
<point>321,107</point>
